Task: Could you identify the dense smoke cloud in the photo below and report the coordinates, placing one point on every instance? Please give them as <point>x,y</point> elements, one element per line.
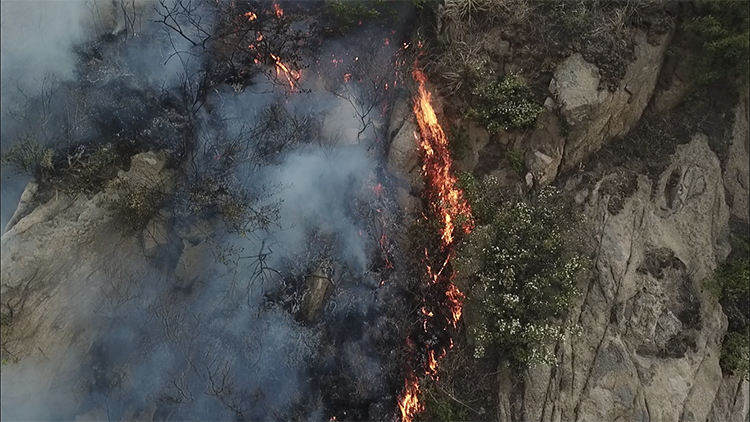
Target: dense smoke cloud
<point>201,337</point>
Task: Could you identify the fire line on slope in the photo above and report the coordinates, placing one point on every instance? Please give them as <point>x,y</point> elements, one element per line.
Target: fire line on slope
<point>447,204</point>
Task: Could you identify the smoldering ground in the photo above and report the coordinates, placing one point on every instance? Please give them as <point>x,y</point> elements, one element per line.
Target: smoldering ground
<point>208,326</point>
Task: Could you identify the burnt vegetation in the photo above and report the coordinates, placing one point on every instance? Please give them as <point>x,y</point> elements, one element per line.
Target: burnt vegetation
<point>159,150</point>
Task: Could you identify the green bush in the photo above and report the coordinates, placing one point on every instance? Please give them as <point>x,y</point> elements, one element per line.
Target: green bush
<point>342,16</point>
<point>515,159</point>
<point>27,156</point>
<point>504,105</point>
<point>735,354</point>
<point>476,193</point>
<point>441,408</point>
<point>721,33</point>
<point>524,278</point>
<point>458,143</point>
<point>732,278</point>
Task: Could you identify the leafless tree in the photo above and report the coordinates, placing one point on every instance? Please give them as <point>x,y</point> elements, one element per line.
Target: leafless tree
<point>368,86</point>
<point>238,40</point>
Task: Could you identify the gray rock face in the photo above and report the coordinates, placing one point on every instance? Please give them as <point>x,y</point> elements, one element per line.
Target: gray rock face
<point>546,147</point>
<point>403,159</point>
<point>595,115</point>
<point>647,340</point>
<point>737,172</point>
<point>63,249</point>
<point>24,204</point>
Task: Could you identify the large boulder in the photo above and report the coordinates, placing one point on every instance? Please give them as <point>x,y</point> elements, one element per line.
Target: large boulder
<point>32,269</point>
<point>403,155</point>
<point>596,115</point>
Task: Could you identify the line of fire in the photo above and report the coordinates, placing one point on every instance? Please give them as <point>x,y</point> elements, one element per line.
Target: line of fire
<point>442,303</point>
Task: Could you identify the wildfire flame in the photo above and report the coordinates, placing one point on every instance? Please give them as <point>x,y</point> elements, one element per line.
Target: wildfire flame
<point>455,302</point>
<point>449,205</point>
<point>409,404</point>
<point>291,76</point>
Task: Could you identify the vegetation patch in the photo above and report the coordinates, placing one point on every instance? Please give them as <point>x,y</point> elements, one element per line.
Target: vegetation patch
<point>341,17</point>
<point>135,204</point>
<point>80,169</point>
<point>735,354</point>
<point>440,407</point>
<point>720,34</point>
<point>458,143</point>
<point>27,156</point>
<point>523,274</point>
<point>732,279</point>
<point>731,285</point>
<point>503,105</point>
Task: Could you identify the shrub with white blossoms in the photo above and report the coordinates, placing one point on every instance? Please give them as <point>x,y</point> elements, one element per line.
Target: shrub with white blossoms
<point>526,281</point>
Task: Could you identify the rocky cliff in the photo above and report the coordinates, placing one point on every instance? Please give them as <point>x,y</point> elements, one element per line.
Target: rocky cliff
<point>645,341</point>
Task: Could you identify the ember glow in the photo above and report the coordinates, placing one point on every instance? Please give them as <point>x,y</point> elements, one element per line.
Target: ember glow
<point>449,206</point>
<point>251,16</point>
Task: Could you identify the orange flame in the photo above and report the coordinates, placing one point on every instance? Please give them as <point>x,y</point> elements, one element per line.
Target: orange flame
<point>432,364</point>
<point>251,16</point>
<point>409,404</point>
<point>278,10</point>
<point>451,208</point>
<point>291,76</point>
<point>450,204</point>
<point>455,302</point>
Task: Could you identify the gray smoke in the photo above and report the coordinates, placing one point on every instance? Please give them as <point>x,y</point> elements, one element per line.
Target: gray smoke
<point>227,345</point>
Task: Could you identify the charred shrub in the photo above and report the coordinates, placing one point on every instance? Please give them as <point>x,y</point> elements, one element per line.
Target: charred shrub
<point>135,203</point>
<point>78,169</point>
<point>523,278</point>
